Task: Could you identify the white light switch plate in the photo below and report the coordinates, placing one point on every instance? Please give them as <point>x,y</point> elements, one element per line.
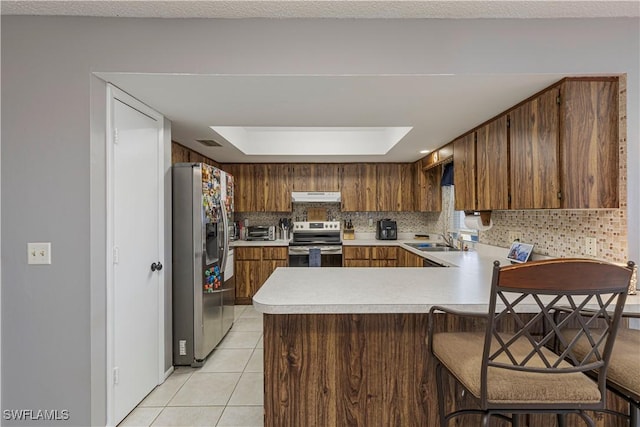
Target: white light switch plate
<point>39,253</point>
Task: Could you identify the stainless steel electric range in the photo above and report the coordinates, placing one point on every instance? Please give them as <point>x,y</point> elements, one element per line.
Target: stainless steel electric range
<point>316,244</point>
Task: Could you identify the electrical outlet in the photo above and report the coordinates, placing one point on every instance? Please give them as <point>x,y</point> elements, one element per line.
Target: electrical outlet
<point>514,235</point>
<point>590,246</point>
<point>39,253</point>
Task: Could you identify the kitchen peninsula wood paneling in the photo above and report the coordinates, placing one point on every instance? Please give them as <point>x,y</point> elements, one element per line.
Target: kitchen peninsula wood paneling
<point>370,370</point>
<point>534,146</point>
<point>316,177</point>
<point>492,165</point>
<point>588,144</point>
<point>464,177</point>
<point>359,187</point>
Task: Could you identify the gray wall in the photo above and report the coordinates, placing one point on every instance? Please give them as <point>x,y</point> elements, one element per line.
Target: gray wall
<point>53,320</point>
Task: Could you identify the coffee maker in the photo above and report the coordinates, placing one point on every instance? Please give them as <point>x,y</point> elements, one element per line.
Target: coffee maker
<point>386,229</point>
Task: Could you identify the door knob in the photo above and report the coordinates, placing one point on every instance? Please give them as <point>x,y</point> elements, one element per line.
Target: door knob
<point>157,266</point>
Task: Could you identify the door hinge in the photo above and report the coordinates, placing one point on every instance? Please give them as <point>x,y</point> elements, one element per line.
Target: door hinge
<point>116,376</point>
<point>508,122</point>
<point>115,135</point>
<point>116,255</point>
<point>560,195</point>
<point>509,198</point>
<point>558,100</point>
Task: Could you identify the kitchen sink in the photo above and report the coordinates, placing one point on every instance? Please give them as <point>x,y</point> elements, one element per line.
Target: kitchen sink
<point>432,247</point>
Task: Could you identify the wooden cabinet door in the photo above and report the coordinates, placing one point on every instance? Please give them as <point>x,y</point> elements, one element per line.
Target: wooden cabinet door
<point>384,252</point>
<point>356,252</point>
<point>389,196</point>
<point>275,253</point>
<point>534,153</point>
<point>407,259</point>
<point>359,187</point>
<point>428,193</point>
<point>356,263</point>
<point>384,263</point>
<point>245,188</point>
<point>464,172</point>
<point>589,144</point>
<point>276,187</point>
<point>492,166</point>
<point>316,177</point>
<point>248,277</point>
<point>395,187</point>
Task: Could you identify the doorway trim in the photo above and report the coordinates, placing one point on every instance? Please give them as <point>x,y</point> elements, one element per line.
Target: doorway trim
<point>114,94</point>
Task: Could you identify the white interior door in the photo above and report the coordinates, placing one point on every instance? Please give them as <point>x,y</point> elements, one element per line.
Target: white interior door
<point>137,278</point>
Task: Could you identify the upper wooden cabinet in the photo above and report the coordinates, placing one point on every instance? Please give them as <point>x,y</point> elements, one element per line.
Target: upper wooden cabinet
<point>261,187</point>
<point>492,165</point>
<point>589,144</point>
<point>316,177</point>
<point>395,187</point>
<point>276,187</point>
<point>464,172</point>
<point>534,145</point>
<point>359,187</point>
<point>428,192</point>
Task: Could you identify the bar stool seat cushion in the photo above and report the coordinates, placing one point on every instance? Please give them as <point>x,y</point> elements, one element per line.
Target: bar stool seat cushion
<point>461,354</point>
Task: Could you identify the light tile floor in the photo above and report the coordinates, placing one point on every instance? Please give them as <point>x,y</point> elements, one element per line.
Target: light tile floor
<point>226,392</point>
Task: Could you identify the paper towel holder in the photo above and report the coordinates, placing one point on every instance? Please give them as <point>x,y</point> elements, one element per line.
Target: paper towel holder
<point>485,216</point>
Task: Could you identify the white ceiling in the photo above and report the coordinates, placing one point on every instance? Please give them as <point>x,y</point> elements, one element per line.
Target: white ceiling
<point>433,104</point>
<point>329,9</point>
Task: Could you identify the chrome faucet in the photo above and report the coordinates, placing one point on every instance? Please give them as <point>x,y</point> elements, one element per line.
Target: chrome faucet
<point>448,239</point>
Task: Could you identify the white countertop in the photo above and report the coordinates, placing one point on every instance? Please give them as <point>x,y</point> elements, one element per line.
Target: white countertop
<point>249,243</point>
<point>299,290</point>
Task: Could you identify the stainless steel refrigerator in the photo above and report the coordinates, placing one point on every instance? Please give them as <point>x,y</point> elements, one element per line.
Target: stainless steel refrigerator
<point>202,302</point>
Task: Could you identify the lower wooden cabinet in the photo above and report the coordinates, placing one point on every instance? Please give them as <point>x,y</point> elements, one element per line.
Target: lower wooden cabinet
<point>369,256</point>
<point>408,259</point>
<point>253,266</point>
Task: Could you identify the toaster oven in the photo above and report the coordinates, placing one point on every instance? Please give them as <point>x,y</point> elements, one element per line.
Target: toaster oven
<point>261,232</point>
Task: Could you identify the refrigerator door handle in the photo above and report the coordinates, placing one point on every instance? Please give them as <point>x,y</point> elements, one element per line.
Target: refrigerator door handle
<point>225,237</point>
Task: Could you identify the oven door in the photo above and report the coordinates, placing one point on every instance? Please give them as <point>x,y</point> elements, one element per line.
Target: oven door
<point>330,256</point>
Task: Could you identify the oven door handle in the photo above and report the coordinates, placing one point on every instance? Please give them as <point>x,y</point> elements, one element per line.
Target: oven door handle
<point>332,250</point>
<point>296,251</point>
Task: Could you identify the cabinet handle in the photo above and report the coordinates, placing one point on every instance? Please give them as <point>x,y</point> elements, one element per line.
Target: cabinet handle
<point>157,266</point>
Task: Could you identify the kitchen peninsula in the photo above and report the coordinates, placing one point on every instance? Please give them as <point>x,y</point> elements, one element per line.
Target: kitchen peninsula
<point>347,346</point>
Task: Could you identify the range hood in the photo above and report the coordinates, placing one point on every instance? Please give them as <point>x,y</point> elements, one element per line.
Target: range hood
<point>315,196</point>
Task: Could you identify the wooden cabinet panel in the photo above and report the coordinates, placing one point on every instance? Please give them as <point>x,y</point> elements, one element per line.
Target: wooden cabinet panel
<point>248,253</point>
<point>253,266</point>
<point>359,187</point>
<point>492,165</point>
<point>276,186</point>
<point>534,153</point>
<point>179,153</point>
<point>395,187</point>
<point>464,176</point>
<point>383,263</point>
<point>356,263</point>
<point>384,252</point>
<point>316,177</point>
<point>589,144</point>
<point>408,259</point>
<point>428,193</point>
<point>389,187</point>
<point>275,252</point>
<point>248,277</point>
<point>356,252</point>
<point>245,188</point>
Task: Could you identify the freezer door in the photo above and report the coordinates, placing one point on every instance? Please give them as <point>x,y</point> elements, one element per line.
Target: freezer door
<point>211,326</point>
